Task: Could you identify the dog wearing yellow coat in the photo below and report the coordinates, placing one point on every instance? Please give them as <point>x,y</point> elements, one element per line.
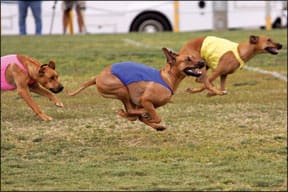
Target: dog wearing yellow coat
<point>225,57</point>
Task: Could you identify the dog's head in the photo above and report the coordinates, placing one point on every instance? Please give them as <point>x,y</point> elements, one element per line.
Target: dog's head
<point>264,44</point>
<point>185,64</point>
<point>48,77</point>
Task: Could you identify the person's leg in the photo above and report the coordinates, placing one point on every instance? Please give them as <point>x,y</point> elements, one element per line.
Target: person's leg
<point>80,7</point>
<point>67,6</point>
<point>22,6</point>
<point>36,11</point>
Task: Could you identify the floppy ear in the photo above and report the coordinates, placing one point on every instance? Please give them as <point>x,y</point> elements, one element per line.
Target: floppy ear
<point>52,64</point>
<point>254,39</point>
<point>170,55</point>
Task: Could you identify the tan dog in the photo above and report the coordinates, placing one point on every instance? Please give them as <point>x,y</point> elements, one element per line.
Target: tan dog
<point>140,93</point>
<point>225,57</point>
<point>27,74</point>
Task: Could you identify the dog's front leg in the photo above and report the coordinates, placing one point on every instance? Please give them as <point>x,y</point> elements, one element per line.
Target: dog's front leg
<point>145,119</point>
<point>24,93</point>
<point>44,92</point>
<point>200,79</point>
<point>151,118</point>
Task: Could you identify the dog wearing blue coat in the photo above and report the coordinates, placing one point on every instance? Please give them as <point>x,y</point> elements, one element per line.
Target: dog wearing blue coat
<point>141,88</point>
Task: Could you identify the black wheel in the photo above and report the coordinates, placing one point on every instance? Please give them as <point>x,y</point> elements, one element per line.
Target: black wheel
<point>277,23</point>
<point>150,23</point>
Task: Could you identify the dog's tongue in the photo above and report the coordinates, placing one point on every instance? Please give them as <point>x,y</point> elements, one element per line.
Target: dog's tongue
<point>275,50</point>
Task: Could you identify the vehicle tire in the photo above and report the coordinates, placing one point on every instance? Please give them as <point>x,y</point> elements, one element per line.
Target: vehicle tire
<point>150,23</point>
<point>277,23</point>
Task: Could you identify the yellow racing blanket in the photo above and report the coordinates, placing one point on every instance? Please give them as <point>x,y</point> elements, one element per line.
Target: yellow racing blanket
<point>213,48</point>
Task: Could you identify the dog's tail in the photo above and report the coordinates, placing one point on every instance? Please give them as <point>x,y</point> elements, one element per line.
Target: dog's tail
<point>83,86</point>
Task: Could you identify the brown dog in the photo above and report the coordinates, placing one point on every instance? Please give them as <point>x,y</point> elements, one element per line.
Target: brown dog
<point>25,73</point>
<point>142,89</point>
<point>225,57</point>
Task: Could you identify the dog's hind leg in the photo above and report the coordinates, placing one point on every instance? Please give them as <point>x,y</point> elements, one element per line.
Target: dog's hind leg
<point>222,88</point>
<point>132,112</point>
<point>125,115</point>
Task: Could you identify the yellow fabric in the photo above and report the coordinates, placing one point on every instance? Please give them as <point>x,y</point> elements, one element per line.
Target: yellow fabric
<point>213,48</point>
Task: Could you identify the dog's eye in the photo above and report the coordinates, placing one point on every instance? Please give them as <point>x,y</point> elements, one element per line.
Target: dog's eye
<point>188,59</point>
<point>269,40</point>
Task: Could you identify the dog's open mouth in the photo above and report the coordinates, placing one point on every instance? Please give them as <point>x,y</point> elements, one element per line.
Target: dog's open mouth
<point>272,50</point>
<point>193,71</point>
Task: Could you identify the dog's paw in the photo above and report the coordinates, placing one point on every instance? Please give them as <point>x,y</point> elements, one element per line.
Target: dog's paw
<point>210,94</point>
<point>59,104</point>
<point>45,117</point>
<point>160,128</point>
<point>189,90</point>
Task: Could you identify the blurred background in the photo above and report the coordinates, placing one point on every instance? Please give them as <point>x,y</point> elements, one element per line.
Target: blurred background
<point>148,16</point>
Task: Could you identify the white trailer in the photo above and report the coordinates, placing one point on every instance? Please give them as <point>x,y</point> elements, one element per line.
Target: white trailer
<point>148,16</point>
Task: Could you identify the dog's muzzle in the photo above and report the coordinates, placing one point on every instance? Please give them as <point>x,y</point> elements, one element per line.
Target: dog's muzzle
<point>58,90</point>
<point>274,50</point>
<point>194,71</point>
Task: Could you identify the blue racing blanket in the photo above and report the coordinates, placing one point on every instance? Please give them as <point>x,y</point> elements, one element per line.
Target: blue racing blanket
<point>130,72</point>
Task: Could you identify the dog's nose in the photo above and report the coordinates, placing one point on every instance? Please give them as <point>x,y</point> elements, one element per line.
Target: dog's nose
<point>201,64</point>
<point>58,90</point>
<point>279,46</point>
<point>61,88</point>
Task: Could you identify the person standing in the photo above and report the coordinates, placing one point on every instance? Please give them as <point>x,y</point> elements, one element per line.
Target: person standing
<point>79,7</point>
<point>35,7</point>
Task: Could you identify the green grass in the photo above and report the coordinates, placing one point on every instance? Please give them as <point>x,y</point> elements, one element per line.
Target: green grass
<point>236,142</point>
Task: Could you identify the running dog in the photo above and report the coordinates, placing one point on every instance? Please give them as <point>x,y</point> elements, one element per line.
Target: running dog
<point>224,57</point>
<point>141,88</point>
<point>27,74</point>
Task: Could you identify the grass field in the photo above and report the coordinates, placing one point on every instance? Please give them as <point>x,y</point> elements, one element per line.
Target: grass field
<point>236,142</point>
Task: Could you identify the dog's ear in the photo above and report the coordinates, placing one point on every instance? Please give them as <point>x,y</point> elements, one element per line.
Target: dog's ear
<point>42,70</point>
<point>170,55</point>
<point>254,39</point>
<point>52,64</point>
